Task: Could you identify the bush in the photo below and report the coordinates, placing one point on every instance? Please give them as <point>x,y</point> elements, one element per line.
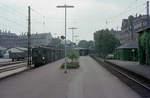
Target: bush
<point>73,54</point>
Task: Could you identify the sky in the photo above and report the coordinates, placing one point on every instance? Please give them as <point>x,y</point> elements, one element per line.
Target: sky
<point>87,15</point>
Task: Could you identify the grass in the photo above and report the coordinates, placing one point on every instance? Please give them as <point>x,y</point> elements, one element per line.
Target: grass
<point>71,65</point>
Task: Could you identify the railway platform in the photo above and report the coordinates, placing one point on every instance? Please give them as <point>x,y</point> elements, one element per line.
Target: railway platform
<point>143,70</point>
<point>90,81</point>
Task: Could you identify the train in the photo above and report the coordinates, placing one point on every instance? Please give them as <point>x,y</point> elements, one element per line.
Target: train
<point>43,55</point>
<point>17,56</point>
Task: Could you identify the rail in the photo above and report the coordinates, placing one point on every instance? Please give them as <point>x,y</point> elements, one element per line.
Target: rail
<point>10,63</point>
<point>12,67</point>
<point>140,84</point>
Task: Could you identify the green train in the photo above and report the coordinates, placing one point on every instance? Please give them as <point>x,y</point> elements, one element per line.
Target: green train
<point>44,55</point>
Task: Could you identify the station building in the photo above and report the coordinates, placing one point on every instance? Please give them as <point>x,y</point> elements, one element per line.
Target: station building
<point>129,41</point>
<point>135,40</point>
<point>142,27</point>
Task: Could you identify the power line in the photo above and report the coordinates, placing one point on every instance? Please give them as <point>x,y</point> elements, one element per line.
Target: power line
<point>11,8</point>
<point>12,21</point>
<point>126,11</point>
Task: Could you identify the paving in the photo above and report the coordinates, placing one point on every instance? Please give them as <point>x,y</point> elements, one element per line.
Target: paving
<point>49,81</point>
<point>143,70</point>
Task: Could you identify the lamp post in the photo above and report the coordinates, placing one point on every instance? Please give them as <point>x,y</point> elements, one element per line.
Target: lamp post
<point>65,7</point>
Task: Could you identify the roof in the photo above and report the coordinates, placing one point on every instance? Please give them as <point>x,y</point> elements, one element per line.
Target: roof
<point>129,45</point>
<point>41,35</point>
<point>22,49</point>
<point>14,50</point>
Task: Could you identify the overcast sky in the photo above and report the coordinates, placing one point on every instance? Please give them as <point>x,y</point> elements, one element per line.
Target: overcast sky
<point>88,15</point>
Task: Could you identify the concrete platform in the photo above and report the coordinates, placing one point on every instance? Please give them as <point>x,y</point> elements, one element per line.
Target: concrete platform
<point>90,81</point>
<point>143,70</point>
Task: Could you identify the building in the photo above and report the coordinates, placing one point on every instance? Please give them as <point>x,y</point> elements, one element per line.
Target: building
<point>135,39</point>
<point>8,39</point>
<point>127,34</point>
<point>42,39</point>
<point>116,33</point>
<point>11,40</point>
<point>142,27</point>
<point>129,41</point>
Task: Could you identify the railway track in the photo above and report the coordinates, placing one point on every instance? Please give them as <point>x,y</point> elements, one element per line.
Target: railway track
<point>139,83</point>
<point>10,67</point>
<point>10,63</point>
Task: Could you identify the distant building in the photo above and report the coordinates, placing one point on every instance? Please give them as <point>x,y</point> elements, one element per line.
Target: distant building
<point>8,39</point>
<point>127,34</point>
<point>11,40</point>
<point>41,39</point>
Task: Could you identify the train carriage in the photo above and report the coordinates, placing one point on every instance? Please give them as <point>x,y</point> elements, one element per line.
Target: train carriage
<point>44,55</point>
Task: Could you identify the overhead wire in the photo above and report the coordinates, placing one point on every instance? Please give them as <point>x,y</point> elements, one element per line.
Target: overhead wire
<point>18,10</point>
<point>125,12</point>
<point>21,22</point>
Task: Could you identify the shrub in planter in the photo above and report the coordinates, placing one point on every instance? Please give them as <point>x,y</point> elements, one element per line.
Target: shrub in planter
<point>73,55</point>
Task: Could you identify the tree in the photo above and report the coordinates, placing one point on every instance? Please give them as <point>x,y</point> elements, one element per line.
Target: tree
<point>90,44</point>
<point>86,44</point>
<point>105,42</point>
<point>83,44</point>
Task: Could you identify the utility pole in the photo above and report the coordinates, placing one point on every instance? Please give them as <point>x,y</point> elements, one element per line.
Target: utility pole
<point>65,7</point>
<point>76,40</point>
<point>73,28</point>
<point>29,39</point>
<point>147,13</point>
<point>147,51</point>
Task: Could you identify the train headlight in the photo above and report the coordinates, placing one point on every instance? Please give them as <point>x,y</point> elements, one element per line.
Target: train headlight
<point>43,57</point>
